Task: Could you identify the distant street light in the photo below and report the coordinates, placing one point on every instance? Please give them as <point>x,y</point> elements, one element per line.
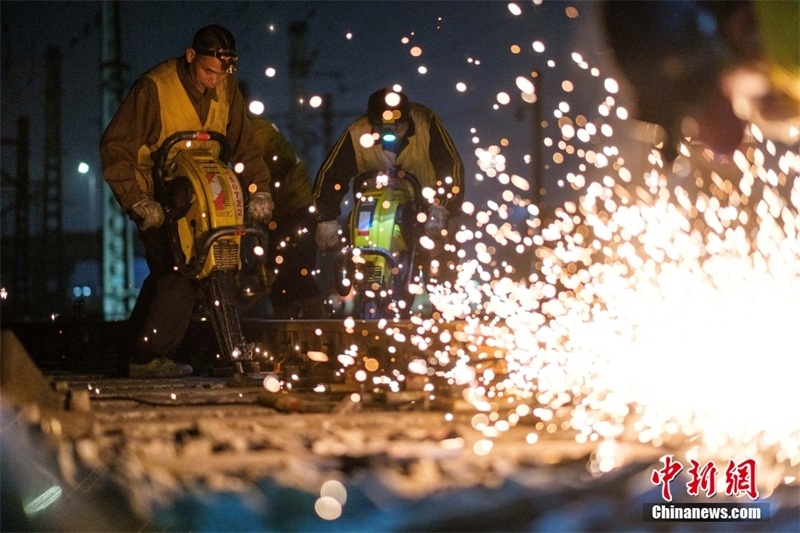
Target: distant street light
<point>85,169</point>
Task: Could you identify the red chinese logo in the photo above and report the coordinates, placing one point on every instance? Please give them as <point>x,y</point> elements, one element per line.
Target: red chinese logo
<point>739,478</point>
<point>702,478</point>
<point>665,476</point>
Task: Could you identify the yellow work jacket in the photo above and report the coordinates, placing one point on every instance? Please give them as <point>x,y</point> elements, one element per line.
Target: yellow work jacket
<point>417,155</point>
<point>414,157</point>
<point>178,113</point>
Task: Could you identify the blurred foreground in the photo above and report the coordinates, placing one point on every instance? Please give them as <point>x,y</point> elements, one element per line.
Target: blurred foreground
<point>85,452</point>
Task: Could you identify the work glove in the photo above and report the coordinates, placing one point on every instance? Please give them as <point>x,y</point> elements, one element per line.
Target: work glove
<point>437,221</point>
<point>328,235</point>
<point>260,206</point>
<point>147,214</point>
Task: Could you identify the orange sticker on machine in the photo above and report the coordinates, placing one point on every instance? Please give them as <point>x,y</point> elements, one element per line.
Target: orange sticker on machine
<point>217,192</point>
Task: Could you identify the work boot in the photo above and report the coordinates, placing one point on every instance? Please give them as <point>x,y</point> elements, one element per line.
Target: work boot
<point>160,367</point>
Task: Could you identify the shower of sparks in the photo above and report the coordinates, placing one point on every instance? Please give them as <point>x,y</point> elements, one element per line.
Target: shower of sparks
<point>661,308</point>
<point>654,310</point>
<point>661,312</point>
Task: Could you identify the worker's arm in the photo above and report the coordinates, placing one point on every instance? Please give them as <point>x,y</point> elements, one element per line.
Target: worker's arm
<point>137,123</point>
<point>449,167</point>
<point>333,178</point>
<point>290,184</point>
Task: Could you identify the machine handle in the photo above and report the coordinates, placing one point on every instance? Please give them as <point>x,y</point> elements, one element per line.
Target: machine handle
<point>192,270</point>
<point>160,157</point>
<point>397,174</point>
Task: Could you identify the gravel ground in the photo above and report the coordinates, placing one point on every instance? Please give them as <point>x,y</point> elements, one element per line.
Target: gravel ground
<point>200,455</point>
<point>86,452</point>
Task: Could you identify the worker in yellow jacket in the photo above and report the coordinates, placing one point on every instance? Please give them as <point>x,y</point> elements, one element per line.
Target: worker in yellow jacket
<point>403,135</point>
<point>196,91</point>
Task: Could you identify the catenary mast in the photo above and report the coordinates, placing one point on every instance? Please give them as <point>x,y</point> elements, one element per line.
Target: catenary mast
<point>119,292</point>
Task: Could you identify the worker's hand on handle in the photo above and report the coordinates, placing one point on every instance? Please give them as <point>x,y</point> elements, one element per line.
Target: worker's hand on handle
<point>147,214</point>
<point>328,235</point>
<point>437,221</point>
<point>260,206</point>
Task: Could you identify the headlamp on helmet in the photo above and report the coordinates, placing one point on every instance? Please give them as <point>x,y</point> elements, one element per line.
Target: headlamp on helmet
<point>385,109</point>
<point>389,124</point>
<point>228,58</point>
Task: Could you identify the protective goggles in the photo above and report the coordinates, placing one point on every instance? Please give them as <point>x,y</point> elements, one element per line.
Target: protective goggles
<point>227,57</point>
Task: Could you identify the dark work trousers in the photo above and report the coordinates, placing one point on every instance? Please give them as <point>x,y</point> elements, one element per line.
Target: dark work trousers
<point>164,307</point>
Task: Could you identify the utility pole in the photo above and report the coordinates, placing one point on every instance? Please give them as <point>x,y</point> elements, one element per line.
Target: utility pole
<point>21,252</point>
<point>536,141</point>
<point>52,229</point>
<point>327,120</point>
<point>307,141</point>
<point>300,62</point>
<point>537,166</point>
<point>119,293</point>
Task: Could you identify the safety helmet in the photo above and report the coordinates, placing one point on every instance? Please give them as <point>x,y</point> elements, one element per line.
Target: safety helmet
<point>385,109</point>
<point>216,41</point>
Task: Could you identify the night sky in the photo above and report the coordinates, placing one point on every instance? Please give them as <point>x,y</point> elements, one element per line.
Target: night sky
<point>356,47</point>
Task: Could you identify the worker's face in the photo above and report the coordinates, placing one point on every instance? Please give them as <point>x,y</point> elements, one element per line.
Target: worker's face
<point>205,71</point>
<point>402,129</point>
